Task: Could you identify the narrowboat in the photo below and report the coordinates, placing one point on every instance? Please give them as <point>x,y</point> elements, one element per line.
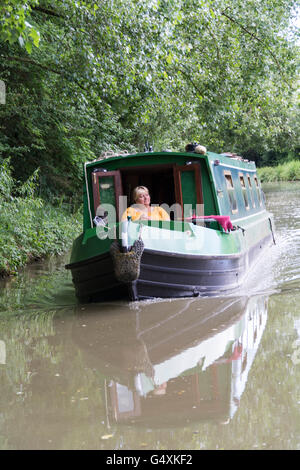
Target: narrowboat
<point>218,226</point>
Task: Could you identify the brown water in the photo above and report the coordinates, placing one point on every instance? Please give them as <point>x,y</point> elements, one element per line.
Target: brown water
<point>218,373</point>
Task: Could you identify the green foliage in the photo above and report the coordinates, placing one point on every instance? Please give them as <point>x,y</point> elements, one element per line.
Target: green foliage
<point>29,227</point>
<point>14,25</point>
<point>289,171</point>
<point>6,180</point>
<point>82,79</point>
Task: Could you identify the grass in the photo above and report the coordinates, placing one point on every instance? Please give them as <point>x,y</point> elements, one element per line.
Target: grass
<point>30,228</point>
<point>289,171</point>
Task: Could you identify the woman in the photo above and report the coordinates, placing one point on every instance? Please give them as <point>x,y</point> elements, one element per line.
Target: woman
<point>141,209</point>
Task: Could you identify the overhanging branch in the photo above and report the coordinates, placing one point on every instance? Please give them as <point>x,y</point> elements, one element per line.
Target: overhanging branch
<point>47,12</point>
<point>62,73</point>
<point>26,60</point>
<point>233,20</point>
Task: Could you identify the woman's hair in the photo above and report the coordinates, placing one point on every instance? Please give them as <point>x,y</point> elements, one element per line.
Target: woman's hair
<point>137,191</point>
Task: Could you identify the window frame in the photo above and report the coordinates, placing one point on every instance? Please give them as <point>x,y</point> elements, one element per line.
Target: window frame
<point>244,190</point>
<point>96,176</point>
<point>251,189</point>
<point>227,173</point>
<point>258,190</point>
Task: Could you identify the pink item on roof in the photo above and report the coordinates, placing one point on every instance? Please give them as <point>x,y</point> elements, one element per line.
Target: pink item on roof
<point>223,220</point>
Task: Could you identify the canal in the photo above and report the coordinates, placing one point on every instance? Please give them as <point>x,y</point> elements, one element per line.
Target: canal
<point>201,373</point>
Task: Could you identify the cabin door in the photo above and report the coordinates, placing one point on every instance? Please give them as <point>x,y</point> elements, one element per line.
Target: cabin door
<point>107,189</point>
<point>188,189</point>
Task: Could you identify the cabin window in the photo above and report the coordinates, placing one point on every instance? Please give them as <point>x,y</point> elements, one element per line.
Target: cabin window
<point>230,191</point>
<point>257,190</point>
<point>251,190</point>
<point>244,191</point>
<point>107,187</point>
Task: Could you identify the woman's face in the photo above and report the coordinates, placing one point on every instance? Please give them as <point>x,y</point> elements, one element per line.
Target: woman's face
<point>143,198</point>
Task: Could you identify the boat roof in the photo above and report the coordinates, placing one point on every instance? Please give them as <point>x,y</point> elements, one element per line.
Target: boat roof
<point>225,158</point>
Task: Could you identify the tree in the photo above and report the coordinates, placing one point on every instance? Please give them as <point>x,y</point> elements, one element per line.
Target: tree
<point>84,76</point>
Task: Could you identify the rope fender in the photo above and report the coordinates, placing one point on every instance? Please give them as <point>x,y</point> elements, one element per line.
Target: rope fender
<point>127,265</point>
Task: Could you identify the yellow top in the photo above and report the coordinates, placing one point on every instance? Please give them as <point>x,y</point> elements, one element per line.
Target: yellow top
<point>153,213</point>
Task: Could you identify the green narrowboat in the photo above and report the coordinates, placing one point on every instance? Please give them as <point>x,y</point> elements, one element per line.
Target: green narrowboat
<point>218,226</point>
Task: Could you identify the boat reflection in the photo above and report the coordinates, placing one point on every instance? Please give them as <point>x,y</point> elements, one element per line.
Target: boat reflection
<point>174,361</point>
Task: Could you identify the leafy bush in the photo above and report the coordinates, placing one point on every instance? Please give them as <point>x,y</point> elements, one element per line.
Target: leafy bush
<point>29,227</point>
<point>6,180</point>
<point>289,171</point>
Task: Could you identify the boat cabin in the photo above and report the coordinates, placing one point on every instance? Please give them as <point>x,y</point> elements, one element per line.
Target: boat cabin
<point>209,184</point>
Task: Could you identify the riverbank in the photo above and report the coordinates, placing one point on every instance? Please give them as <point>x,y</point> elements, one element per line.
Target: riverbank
<point>31,228</point>
<point>289,171</point>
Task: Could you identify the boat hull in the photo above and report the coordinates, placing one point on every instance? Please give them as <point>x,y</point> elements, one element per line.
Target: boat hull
<point>165,275</point>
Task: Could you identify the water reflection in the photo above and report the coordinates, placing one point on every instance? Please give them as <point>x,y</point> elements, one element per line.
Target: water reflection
<point>68,379</point>
<point>185,360</point>
<point>161,375</point>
